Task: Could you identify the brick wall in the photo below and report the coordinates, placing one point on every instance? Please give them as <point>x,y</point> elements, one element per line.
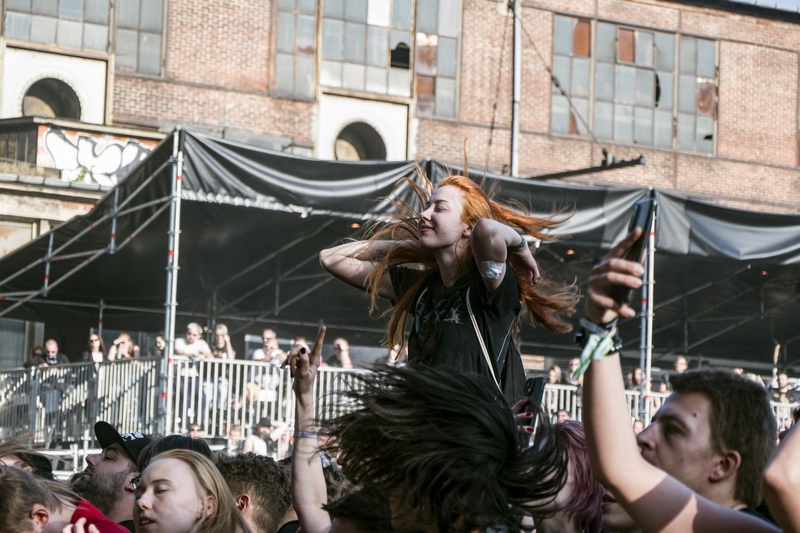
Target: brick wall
<point>218,71</point>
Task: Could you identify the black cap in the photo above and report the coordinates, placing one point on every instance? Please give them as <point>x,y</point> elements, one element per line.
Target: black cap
<point>264,422</point>
<point>133,443</point>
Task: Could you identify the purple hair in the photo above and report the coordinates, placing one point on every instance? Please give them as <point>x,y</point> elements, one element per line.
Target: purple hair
<point>585,502</point>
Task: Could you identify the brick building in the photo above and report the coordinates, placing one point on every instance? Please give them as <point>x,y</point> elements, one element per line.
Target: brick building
<point>706,91</point>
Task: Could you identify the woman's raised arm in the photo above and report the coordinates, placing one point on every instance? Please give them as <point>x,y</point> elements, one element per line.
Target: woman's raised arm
<point>352,262</point>
<point>492,242</point>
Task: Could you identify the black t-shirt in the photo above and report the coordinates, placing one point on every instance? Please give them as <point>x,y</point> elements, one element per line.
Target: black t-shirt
<point>129,525</point>
<point>442,334</point>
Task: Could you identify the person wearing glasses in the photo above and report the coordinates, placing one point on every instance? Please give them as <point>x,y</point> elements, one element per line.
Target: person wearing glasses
<point>222,348</point>
<point>123,348</point>
<point>96,350</point>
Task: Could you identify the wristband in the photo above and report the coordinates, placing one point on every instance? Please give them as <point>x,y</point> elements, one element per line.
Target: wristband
<point>303,434</point>
<point>517,247</point>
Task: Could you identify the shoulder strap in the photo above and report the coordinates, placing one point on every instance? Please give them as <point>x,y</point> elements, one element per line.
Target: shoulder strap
<point>480,341</point>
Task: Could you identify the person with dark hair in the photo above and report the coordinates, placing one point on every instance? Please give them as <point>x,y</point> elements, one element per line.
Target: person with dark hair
<point>31,504</point>
<point>700,459</point>
<point>173,442</point>
<point>16,454</point>
<point>477,275</point>
<point>362,511</point>
<point>447,464</point>
<point>107,481</point>
<point>95,350</point>
<point>260,488</point>
<point>578,507</point>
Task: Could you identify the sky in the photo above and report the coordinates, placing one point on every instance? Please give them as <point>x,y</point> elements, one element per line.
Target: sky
<point>791,3</point>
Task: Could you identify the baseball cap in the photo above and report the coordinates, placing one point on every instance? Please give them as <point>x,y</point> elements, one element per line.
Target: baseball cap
<point>133,443</point>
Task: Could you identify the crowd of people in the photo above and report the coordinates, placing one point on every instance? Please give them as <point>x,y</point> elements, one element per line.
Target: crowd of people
<point>449,442</point>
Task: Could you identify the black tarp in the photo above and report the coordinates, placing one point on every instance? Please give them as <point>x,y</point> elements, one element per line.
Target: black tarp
<point>726,277</point>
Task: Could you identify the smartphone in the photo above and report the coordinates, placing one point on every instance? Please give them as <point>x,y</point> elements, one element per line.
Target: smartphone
<point>534,391</point>
<point>642,217</point>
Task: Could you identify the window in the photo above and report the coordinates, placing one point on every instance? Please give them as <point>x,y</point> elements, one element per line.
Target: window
<point>436,58</point>
<point>18,146</point>
<point>139,30</point>
<point>366,45</point>
<point>51,98</point>
<point>295,45</point>
<point>69,23</point>
<point>650,88</point>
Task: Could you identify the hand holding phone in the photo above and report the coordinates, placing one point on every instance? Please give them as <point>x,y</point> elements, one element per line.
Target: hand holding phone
<point>641,217</point>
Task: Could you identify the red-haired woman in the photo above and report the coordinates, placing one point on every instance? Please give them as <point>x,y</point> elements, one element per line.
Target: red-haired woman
<point>449,267</point>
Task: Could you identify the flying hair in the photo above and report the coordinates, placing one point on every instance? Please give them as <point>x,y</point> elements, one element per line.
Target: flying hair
<point>548,302</point>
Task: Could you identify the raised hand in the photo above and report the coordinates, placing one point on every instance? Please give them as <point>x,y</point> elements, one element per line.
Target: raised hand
<point>613,270</point>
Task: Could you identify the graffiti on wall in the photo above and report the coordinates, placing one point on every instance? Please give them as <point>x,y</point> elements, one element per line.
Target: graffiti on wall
<point>103,159</point>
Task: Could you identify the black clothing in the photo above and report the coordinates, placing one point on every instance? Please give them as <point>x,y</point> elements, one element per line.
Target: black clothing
<point>290,527</point>
<point>442,333</point>
<point>37,360</point>
<point>129,525</point>
<point>790,396</point>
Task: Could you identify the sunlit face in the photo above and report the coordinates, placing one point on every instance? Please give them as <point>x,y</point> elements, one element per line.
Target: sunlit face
<point>94,342</point>
<point>574,363</point>
<point>51,349</point>
<point>104,479</point>
<point>235,435</point>
<point>161,343</point>
<point>219,337</point>
<point>783,380</point>
<point>192,336</point>
<point>441,225</point>
<point>638,427</point>
<point>562,416</point>
<point>13,460</point>
<point>680,365</point>
<point>168,499</point>
<point>637,375</point>
<point>552,376</point>
<point>678,441</point>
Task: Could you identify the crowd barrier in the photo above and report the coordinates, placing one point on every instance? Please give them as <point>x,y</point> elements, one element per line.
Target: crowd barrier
<point>57,406</point>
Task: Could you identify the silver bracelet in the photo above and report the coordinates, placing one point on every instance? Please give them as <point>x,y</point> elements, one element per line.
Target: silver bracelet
<point>303,434</point>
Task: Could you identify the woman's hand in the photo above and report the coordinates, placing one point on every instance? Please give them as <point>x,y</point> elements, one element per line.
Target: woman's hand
<point>304,364</point>
<point>526,256</point>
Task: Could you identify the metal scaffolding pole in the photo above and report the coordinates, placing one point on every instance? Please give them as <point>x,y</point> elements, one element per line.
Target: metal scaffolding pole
<point>517,91</point>
<point>172,281</point>
<point>646,343</point>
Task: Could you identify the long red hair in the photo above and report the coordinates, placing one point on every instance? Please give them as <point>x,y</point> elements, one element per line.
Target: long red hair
<point>547,302</point>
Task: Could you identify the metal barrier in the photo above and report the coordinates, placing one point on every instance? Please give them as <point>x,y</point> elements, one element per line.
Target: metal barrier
<point>60,404</point>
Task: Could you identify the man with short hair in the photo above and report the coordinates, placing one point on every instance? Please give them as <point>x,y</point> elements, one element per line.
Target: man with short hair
<point>107,482</point>
<point>270,353</point>
<point>715,434</point>
<point>260,488</point>
<point>50,357</point>
<point>341,355</point>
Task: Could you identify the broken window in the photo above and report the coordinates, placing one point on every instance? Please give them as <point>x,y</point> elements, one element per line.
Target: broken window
<point>648,87</point>
<point>436,56</point>
<point>572,65</point>
<point>366,45</point>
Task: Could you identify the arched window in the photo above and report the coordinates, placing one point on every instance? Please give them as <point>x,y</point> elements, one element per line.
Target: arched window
<point>51,98</point>
<point>358,142</point>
